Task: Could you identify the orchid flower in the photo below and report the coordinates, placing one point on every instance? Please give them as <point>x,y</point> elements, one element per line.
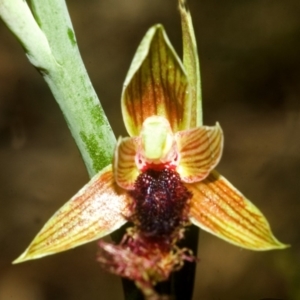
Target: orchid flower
<point>161,179</point>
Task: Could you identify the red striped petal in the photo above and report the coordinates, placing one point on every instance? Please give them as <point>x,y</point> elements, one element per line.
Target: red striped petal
<point>156,84</point>
<point>125,169</point>
<point>98,209</point>
<point>222,210</point>
<point>200,150</point>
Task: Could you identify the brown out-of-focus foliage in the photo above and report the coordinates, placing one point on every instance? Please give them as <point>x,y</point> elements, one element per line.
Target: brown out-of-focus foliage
<point>250,67</point>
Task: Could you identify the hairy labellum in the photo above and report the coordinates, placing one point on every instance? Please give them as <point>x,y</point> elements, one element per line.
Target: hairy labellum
<point>160,200</point>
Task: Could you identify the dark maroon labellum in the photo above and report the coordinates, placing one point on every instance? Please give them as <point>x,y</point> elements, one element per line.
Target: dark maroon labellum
<point>161,202</point>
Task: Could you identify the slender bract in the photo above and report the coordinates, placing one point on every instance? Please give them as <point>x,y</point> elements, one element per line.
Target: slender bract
<point>191,63</point>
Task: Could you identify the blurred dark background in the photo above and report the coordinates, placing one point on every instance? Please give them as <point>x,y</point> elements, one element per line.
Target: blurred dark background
<point>250,65</point>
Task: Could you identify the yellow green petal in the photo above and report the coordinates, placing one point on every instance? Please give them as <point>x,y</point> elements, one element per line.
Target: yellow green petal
<point>222,210</point>
<point>156,84</point>
<point>125,169</point>
<point>98,209</point>
<point>200,150</point>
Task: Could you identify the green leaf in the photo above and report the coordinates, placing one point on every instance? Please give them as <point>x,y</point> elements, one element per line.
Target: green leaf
<point>48,38</point>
